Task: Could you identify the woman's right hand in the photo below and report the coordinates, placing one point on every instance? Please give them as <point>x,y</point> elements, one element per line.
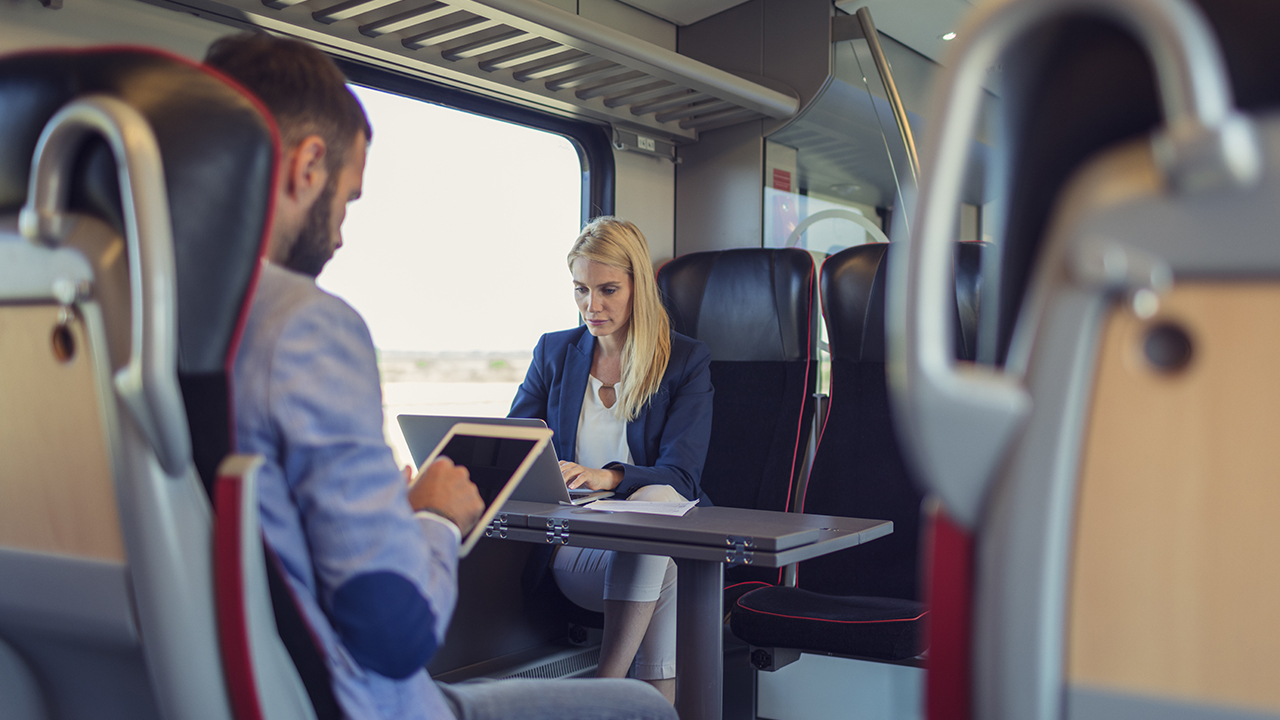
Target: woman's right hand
<point>576,476</point>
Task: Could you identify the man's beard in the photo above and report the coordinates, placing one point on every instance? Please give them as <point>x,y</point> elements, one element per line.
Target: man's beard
<point>314,246</point>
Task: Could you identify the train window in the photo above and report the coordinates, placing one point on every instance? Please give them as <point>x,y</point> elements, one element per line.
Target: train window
<point>821,220</point>
<point>823,223</point>
<point>463,219</point>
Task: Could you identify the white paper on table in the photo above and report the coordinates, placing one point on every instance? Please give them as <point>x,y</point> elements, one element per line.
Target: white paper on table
<point>673,509</point>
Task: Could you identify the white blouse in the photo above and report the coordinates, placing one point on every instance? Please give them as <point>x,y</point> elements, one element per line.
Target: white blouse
<point>602,437</point>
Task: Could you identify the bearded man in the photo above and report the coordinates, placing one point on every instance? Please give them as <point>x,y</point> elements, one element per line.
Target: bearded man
<point>371,562</point>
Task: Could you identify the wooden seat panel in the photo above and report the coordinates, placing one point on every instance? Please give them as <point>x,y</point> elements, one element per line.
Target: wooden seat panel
<point>56,491</point>
<point>1175,578</point>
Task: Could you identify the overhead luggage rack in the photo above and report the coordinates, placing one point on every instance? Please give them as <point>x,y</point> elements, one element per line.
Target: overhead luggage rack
<point>531,52</point>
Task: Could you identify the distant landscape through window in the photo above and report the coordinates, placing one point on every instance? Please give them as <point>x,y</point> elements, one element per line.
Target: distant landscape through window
<point>455,254</point>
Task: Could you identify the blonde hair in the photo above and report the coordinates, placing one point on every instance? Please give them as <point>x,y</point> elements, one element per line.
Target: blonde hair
<point>620,244</point>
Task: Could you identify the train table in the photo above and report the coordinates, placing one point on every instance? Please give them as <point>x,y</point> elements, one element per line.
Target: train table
<point>702,542</point>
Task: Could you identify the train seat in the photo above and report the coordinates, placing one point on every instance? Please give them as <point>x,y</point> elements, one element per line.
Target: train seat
<point>864,601</point>
<point>754,310</point>
<point>134,202</point>
<point>1118,488</point>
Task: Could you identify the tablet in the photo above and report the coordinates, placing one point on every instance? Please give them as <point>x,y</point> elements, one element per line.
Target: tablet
<point>544,483</point>
<point>497,456</point>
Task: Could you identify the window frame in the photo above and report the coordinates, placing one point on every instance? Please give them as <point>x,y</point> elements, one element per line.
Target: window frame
<point>593,142</point>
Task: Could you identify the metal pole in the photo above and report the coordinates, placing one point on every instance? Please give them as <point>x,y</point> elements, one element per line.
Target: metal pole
<point>899,112</point>
<point>699,642</point>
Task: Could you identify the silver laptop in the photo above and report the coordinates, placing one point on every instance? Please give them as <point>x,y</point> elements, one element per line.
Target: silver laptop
<point>543,483</point>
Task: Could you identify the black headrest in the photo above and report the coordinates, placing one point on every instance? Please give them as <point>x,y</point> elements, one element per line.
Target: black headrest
<point>853,284</point>
<point>853,302</point>
<point>1078,86</point>
<point>749,304</point>
<point>218,151</point>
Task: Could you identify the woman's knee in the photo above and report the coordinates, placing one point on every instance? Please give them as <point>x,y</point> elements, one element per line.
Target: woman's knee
<point>669,577</point>
<point>580,574</point>
<point>636,578</point>
<point>657,493</point>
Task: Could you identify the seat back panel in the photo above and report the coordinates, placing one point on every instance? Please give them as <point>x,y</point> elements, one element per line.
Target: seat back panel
<point>56,490</point>
<point>1024,595</point>
<point>858,468</point>
<point>753,452</point>
<point>753,308</point>
<point>1113,535</point>
<point>144,645</point>
<point>1174,571</point>
<point>858,472</point>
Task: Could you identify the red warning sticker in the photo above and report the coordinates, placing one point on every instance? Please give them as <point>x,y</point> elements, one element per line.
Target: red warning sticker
<point>781,180</point>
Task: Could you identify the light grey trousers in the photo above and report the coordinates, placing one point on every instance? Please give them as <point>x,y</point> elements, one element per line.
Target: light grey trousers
<point>589,576</point>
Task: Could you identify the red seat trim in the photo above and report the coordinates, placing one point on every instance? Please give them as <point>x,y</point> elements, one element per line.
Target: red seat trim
<point>839,622</point>
<point>748,582</point>
<point>808,357</point>
<point>233,621</point>
<point>949,682</point>
<point>795,454</point>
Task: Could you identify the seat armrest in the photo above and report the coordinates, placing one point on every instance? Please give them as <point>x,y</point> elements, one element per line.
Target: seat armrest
<point>261,679</point>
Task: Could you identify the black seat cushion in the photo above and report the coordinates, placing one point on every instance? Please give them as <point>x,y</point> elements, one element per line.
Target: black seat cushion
<point>761,418</point>
<point>736,589</point>
<point>869,627</point>
<point>853,296</point>
<point>754,310</point>
<point>858,469</point>
<point>859,472</point>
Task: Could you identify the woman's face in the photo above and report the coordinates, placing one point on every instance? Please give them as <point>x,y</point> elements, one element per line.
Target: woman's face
<point>603,294</point>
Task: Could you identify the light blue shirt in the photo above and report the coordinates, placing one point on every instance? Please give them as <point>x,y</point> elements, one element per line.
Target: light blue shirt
<point>376,583</point>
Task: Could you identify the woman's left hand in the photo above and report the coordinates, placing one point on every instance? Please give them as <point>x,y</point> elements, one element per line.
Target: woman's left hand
<point>576,476</point>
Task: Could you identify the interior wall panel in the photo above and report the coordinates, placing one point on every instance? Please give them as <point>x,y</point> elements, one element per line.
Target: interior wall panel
<point>644,194</point>
<point>26,24</point>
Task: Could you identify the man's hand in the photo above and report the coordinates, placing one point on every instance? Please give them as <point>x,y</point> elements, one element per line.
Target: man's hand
<point>446,490</point>
<point>576,476</point>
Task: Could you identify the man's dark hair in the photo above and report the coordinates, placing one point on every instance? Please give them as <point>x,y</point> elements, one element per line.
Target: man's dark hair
<point>301,87</point>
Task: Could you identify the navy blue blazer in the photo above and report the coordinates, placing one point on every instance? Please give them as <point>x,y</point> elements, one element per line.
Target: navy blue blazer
<point>668,439</point>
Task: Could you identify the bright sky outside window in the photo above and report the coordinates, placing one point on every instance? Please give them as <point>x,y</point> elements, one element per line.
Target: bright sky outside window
<point>455,254</point>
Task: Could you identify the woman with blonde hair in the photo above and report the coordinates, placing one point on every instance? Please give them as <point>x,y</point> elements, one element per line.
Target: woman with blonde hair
<point>630,403</point>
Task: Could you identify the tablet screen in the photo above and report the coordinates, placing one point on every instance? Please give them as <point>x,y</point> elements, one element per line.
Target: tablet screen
<point>497,457</point>
<point>490,460</point>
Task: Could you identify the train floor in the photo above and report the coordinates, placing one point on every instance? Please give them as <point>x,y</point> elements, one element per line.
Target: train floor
<point>814,687</point>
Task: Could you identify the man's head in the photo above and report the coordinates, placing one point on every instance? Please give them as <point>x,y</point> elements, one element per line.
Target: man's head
<point>324,134</point>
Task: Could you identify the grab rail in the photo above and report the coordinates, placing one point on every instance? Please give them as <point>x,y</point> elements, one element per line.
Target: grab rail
<point>957,421</point>
<point>148,382</point>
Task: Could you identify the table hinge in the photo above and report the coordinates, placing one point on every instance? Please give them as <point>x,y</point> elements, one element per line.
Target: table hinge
<point>557,531</point>
<point>497,527</point>
<point>740,550</point>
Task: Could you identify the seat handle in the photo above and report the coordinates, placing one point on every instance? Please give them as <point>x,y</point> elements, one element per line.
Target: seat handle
<point>148,382</point>
<point>957,421</point>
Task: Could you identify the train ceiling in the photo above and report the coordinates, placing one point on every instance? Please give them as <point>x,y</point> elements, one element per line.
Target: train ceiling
<point>918,24</point>
<point>532,52</point>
